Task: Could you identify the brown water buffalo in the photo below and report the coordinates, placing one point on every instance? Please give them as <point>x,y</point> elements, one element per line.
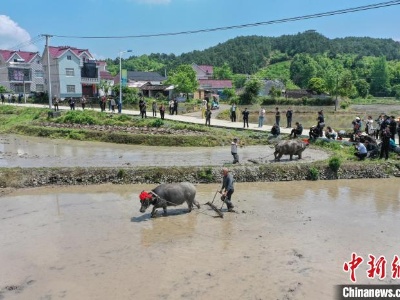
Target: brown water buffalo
<point>291,147</point>
<point>168,194</point>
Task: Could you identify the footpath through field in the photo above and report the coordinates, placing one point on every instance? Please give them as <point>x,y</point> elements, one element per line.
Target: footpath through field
<point>194,118</point>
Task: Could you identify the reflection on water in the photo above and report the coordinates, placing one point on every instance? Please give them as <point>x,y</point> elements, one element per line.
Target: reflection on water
<point>92,242</point>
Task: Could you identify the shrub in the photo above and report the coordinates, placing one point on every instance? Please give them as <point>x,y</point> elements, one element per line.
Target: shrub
<point>314,173</point>
<point>334,163</point>
<point>157,123</point>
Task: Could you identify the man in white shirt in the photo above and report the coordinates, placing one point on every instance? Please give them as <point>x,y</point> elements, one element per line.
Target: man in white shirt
<point>234,145</point>
<point>361,150</point>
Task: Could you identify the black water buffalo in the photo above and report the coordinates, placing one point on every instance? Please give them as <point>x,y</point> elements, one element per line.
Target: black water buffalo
<point>168,194</point>
<point>291,147</point>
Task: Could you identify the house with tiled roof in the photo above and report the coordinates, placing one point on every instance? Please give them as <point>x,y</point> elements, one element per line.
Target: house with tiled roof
<point>203,71</point>
<point>73,72</point>
<point>149,83</point>
<point>208,85</point>
<point>21,71</point>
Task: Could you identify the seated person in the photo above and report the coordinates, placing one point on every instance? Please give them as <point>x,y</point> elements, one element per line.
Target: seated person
<point>314,132</point>
<point>330,133</point>
<point>297,131</point>
<point>361,150</point>
<point>275,130</point>
<point>372,149</point>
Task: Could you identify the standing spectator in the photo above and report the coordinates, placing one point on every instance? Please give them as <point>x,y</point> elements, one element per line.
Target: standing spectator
<point>320,122</point>
<point>171,106</point>
<point>234,150</point>
<point>19,98</point>
<point>71,103</point>
<point>233,112</point>
<point>112,104</point>
<point>385,145</point>
<point>103,103</point>
<point>378,128</point>
<point>55,103</point>
<point>297,131</point>
<point>154,108</point>
<point>3,99</point>
<point>277,116</point>
<point>245,114</point>
<point>13,98</point>
<point>369,126</point>
<point>83,102</point>
<point>175,107</point>
<point>162,111</point>
<point>289,115</point>
<point>142,107</point>
<point>204,105</point>
<point>227,189</point>
<point>261,116</point>
<point>208,116</point>
<point>393,127</point>
<point>398,130</point>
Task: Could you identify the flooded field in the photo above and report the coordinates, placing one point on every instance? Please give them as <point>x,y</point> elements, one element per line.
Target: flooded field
<point>25,151</point>
<point>287,241</point>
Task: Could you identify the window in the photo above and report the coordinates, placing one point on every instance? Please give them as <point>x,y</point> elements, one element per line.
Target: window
<point>39,74</point>
<point>69,57</point>
<point>39,88</point>
<point>70,89</point>
<point>69,71</point>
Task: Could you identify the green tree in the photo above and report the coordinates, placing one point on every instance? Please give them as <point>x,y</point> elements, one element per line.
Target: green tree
<point>223,72</point>
<point>317,85</point>
<point>380,85</point>
<point>229,93</point>
<point>184,79</point>
<point>302,69</point>
<point>251,90</point>
<point>362,87</point>
<point>239,80</point>
<point>3,89</point>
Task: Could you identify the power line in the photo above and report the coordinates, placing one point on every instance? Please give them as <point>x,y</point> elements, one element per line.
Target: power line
<point>28,43</point>
<point>293,19</point>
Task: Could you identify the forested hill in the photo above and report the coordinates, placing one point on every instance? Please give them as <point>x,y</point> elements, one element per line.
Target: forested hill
<point>247,54</point>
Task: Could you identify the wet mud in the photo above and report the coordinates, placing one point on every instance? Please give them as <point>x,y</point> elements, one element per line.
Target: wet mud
<point>286,241</point>
<point>23,151</point>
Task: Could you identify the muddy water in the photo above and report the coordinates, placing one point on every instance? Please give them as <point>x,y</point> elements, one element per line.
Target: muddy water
<point>287,241</point>
<point>23,151</point>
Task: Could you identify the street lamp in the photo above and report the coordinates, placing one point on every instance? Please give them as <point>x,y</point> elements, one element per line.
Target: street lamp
<point>120,80</point>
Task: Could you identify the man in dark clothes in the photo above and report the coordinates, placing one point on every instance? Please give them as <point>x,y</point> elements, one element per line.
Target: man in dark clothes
<point>227,188</point>
<point>385,143</point>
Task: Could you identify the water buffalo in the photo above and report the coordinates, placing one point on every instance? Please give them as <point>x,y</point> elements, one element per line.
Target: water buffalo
<point>291,147</point>
<point>168,194</point>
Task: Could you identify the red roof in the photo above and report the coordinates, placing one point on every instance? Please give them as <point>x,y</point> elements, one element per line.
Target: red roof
<point>106,75</point>
<point>27,56</point>
<point>215,84</point>
<point>56,52</point>
<point>207,69</point>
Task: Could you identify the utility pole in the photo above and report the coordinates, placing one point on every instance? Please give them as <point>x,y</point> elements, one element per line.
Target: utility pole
<point>337,83</point>
<point>48,67</point>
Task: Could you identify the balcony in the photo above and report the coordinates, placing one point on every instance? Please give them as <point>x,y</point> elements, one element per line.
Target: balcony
<point>87,80</point>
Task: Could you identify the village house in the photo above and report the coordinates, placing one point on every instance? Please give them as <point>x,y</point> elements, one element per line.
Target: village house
<point>73,72</point>
<point>209,87</point>
<point>21,72</point>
